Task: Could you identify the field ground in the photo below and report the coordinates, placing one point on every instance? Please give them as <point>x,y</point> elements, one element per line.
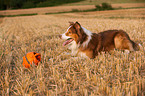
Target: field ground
<point>59,74</point>
<point>95,2</point>
<point>64,9</point>
<point>112,14</point>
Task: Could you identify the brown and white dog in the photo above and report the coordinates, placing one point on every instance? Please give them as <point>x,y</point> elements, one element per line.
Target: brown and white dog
<point>86,44</point>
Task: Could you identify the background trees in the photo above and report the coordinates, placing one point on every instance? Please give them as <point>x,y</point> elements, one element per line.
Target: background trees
<point>20,4</point>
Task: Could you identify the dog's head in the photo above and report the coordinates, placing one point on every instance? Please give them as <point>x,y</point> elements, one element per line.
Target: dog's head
<point>74,33</point>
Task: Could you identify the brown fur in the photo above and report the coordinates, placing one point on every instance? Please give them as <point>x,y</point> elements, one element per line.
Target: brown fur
<point>103,41</point>
<point>109,40</point>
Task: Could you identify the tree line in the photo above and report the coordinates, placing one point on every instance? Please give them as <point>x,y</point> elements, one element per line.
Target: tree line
<point>22,4</point>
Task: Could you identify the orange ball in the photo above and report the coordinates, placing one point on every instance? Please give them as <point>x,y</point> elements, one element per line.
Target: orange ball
<point>31,58</point>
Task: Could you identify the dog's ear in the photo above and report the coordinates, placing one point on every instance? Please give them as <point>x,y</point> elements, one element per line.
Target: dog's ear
<point>77,26</point>
<point>71,23</point>
<point>79,32</point>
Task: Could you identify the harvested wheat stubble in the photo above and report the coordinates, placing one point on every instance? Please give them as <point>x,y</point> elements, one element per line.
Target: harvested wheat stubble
<point>114,74</point>
<point>64,9</point>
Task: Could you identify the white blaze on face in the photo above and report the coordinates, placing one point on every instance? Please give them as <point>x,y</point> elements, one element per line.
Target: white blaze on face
<point>67,38</point>
<point>64,34</point>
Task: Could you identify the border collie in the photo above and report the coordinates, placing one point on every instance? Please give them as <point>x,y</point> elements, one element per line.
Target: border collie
<point>84,43</point>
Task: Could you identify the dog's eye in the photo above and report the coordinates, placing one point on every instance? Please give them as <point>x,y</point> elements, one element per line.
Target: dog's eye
<point>69,32</point>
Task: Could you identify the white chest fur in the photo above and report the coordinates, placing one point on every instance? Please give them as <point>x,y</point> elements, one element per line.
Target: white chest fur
<point>74,48</point>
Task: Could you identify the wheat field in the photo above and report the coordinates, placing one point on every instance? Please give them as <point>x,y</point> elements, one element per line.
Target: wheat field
<point>116,73</point>
<point>56,9</point>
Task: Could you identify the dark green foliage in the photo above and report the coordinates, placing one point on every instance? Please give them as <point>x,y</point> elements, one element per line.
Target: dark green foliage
<point>20,4</point>
<point>104,6</point>
<point>10,4</point>
<point>18,15</point>
<point>28,4</point>
<point>75,10</point>
<point>98,7</point>
<point>55,2</point>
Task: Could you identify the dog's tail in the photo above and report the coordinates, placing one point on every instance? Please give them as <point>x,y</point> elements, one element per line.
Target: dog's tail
<point>137,46</point>
<point>140,47</point>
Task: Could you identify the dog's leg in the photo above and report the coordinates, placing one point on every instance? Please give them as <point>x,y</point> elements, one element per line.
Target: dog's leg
<point>90,54</point>
<point>74,52</point>
<point>123,43</point>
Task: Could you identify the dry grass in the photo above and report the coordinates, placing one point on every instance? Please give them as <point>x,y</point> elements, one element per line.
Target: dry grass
<point>46,10</point>
<point>1,20</point>
<point>112,14</point>
<point>64,8</point>
<point>113,74</point>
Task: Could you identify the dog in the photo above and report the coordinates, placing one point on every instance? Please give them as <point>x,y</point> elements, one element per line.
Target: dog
<point>84,43</point>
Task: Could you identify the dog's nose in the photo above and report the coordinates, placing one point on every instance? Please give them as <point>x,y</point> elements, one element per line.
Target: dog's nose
<point>60,36</point>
